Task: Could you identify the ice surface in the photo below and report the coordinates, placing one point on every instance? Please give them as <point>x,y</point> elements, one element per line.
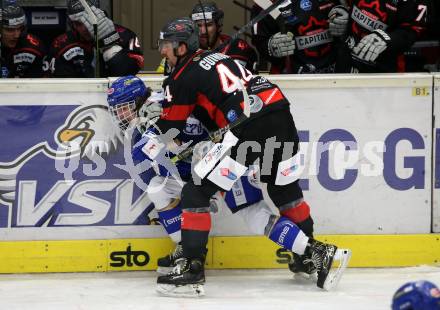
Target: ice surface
<point>225,289</point>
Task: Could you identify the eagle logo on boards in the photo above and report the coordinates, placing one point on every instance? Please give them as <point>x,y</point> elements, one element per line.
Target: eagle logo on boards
<point>79,136</point>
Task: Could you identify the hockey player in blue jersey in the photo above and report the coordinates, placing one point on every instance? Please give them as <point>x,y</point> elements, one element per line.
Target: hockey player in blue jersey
<point>128,99</point>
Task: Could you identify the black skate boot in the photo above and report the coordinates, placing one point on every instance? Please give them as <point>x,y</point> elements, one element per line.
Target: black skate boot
<point>167,263</point>
<point>186,279</point>
<point>323,256</point>
<point>302,266</point>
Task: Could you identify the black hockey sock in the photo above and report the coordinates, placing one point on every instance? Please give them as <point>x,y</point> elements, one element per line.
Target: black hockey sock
<point>306,226</point>
<point>194,243</point>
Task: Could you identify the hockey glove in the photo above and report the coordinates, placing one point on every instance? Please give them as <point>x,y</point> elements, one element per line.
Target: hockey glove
<point>152,108</point>
<point>281,45</point>
<point>338,20</point>
<point>107,34</point>
<point>371,46</point>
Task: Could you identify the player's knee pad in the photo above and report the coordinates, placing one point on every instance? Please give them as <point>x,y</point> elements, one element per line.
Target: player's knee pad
<point>282,195</point>
<point>288,235</point>
<point>257,217</point>
<point>296,211</point>
<point>171,220</point>
<point>196,198</point>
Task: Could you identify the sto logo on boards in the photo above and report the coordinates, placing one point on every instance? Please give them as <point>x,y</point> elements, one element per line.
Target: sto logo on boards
<point>129,258</point>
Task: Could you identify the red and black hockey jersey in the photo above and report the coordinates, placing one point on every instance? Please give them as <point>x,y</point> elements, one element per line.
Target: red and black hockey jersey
<point>403,20</point>
<point>308,21</point>
<point>72,57</point>
<point>240,50</point>
<point>207,83</point>
<point>25,60</point>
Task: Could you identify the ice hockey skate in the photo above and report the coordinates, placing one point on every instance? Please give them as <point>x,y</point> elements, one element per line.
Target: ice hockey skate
<point>186,279</point>
<point>329,261</point>
<point>301,269</point>
<point>167,263</point>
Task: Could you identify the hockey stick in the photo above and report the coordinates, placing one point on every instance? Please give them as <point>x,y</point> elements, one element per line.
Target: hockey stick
<point>251,23</point>
<point>95,34</point>
<point>218,134</point>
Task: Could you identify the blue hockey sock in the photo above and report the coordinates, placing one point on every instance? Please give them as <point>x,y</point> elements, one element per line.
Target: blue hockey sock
<point>170,220</point>
<point>287,234</point>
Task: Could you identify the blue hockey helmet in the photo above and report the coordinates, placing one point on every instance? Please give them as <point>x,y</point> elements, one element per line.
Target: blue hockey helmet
<point>125,96</point>
<point>419,295</point>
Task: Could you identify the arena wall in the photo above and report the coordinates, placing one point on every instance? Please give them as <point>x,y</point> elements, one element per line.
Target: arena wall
<point>371,143</point>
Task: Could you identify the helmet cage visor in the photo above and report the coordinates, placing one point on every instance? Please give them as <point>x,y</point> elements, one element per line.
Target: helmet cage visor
<point>123,114</point>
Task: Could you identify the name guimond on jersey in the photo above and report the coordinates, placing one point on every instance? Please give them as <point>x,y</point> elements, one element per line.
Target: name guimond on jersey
<point>210,60</point>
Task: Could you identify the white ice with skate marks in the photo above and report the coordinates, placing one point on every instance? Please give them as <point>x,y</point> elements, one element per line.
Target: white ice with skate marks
<point>360,289</point>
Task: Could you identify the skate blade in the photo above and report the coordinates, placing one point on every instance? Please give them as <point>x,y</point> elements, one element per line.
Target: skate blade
<point>343,257</point>
<point>304,276</point>
<point>164,270</point>
<point>189,290</point>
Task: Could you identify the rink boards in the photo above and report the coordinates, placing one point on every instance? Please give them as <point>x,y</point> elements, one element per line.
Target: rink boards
<point>373,187</point>
<point>223,252</point>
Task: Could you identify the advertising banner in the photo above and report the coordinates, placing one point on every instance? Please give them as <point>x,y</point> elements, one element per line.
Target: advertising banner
<point>368,147</point>
<point>64,173</point>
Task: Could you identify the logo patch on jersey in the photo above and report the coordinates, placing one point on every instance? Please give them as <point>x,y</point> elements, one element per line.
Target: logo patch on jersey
<point>24,57</point>
<point>305,5</point>
<point>255,103</point>
<point>73,52</point>
<point>289,170</point>
<point>5,72</point>
<point>367,20</point>
<point>228,173</point>
<point>231,116</point>
<point>316,39</point>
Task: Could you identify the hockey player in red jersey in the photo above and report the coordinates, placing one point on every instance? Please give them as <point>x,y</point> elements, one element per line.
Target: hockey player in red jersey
<point>381,30</point>
<point>209,19</point>
<point>213,84</point>
<point>305,38</point>
<point>22,53</point>
<point>73,53</point>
